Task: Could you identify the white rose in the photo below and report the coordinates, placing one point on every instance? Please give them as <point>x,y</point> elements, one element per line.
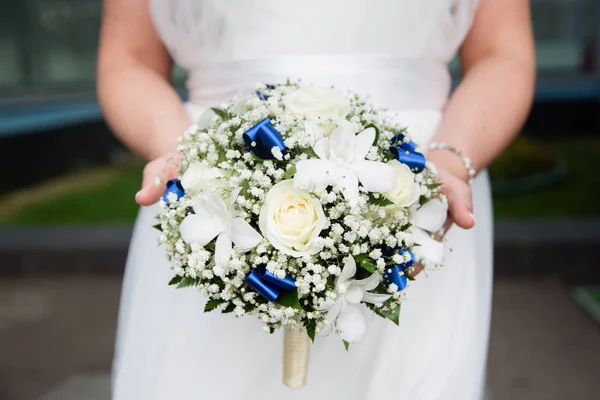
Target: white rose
<point>407,191</point>
<point>317,102</point>
<point>199,178</point>
<point>291,219</point>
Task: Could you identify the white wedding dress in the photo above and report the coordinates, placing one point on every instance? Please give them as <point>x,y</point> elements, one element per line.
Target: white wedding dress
<point>395,50</point>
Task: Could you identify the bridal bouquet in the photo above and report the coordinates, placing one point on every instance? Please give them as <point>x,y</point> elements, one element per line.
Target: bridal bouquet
<point>304,207</point>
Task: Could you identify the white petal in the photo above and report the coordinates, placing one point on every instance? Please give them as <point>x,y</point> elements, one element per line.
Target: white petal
<point>332,315</point>
<point>342,142</point>
<point>320,143</point>
<point>314,175</point>
<point>243,234</point>
<point>195,229</point>
<point>369,283</point>
<point>206,119</point>
<point>328,305</point>
<point>375,176</point>
<point>348,182</point>
<point>193,128</point>
<point>347,272</point>
<point>211,206</point>
<point>233,195</point>
<point>352,323</point>
<point>375,298</point>
<point>428,249</point>
<point>364,141</point>
<point>354,294</point>
<point>241,98</point>
<point>431,216</point>
<point>223,249</point>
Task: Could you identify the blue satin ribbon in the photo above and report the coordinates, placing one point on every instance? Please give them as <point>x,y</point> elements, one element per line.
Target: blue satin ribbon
<point>265,137</point>
<point>173,186</point>
<point>263,96</point>
<point>406,153</point>
<point>404,266</point>
<point>268,285</point>
<point>395,273</point>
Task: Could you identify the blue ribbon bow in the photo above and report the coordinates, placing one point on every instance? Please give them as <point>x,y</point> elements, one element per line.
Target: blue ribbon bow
<point>173,186</point>
<point>265,137</point>
<point>406,153</point>
<point>395,273</point>
<point>268,285</point>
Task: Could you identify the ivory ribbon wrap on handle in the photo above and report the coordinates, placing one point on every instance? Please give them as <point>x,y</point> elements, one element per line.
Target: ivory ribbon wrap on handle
<point>296,348</point>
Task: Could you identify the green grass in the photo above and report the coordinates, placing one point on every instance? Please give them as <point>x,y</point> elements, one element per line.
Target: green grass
<point>106,203</point>
<point>112,200</point>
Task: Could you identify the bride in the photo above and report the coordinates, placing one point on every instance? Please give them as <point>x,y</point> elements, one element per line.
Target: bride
<point>398,52</point>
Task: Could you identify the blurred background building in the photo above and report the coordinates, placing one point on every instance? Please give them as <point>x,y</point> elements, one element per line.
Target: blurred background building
<point>47,79</point>
<point>66,209</point>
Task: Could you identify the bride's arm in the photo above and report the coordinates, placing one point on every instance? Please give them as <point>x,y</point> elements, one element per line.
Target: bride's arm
<point>134,88</point>
<point>488,108</point>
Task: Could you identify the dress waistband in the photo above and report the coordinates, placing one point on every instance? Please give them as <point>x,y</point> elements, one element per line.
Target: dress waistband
<point>397,83</point>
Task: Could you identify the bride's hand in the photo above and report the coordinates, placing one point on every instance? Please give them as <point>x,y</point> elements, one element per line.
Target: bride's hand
<point>453,177</point>
<point>164,168</point>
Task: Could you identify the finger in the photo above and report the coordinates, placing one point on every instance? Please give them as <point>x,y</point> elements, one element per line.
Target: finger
<point>439,235</point>
<point>151,192</point>
<point>460,208</point>
<point>415,270</point>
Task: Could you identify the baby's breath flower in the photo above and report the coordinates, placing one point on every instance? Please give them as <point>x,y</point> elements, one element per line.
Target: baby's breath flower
<point>361,229</point>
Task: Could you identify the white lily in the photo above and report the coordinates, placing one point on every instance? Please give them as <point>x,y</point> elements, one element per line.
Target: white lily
<point>346,312</point>
<point>342,162</point>
<point>214,218</point>
<point>430,217</point>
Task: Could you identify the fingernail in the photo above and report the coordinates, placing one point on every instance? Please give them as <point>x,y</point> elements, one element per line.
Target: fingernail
<point>472,216</point>
<point>137,194</point>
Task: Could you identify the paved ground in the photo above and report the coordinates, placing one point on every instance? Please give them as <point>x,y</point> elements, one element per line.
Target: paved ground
<point>56,338</point>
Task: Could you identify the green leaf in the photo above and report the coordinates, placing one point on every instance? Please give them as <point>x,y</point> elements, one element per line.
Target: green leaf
<point>256,158</point>
<point>222,156</point>
<point>365,262</point>
<point>186,282</point>
<point>346,345</point>
<point>376,132</point>
<point>382,201</point>
<point>158,226</point>
<point>289,299</point>
<point>245,185</point>
<point>310,152</point>
<point>368,265</point>
<point>360,257</point>
<point>289,173</point>
<point>393,315</point>
<point>176,279</point>
<point>228,309</point>
<point>212,304</point>
<point>432,186</point>
<point>221,113</point>
<point>311,328</point>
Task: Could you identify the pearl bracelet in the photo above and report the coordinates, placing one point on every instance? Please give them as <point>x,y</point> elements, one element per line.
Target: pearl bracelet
<point>466,160</point>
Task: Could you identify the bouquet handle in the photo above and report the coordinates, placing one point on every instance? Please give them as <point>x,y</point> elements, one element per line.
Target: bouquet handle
<point>296,349</point>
